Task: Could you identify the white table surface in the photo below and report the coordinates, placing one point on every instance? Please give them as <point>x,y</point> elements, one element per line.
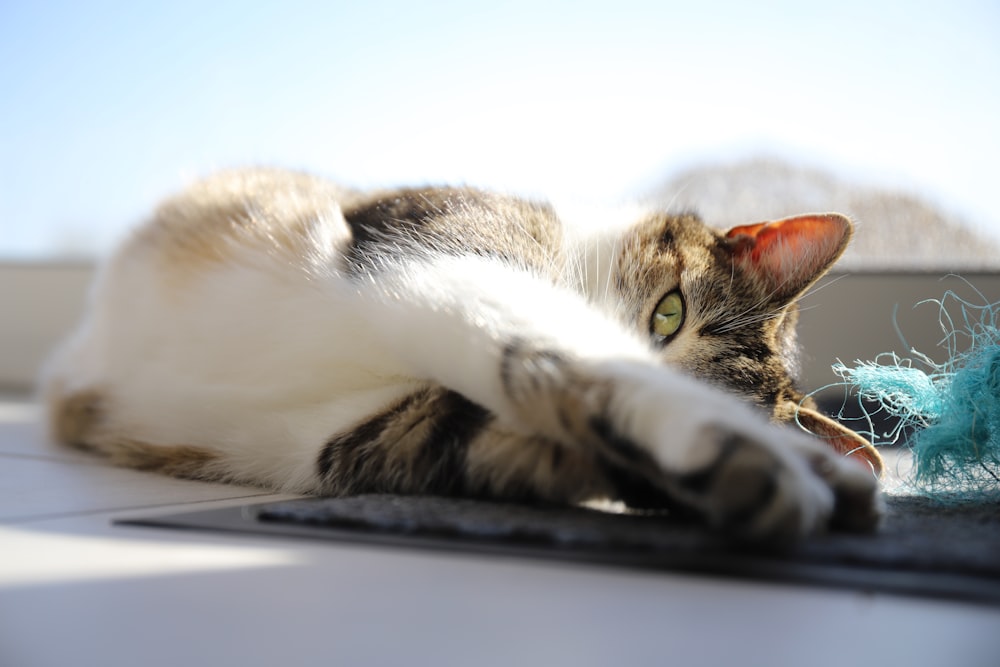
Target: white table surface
<point>77,590</point>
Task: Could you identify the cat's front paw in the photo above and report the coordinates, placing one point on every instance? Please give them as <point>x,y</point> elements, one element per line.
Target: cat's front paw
<point>772,484</point>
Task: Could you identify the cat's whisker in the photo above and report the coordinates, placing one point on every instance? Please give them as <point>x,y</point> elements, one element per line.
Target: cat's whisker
<point>744,317</point>
<point>821,285</point>
<point>746,322</point>
<point>606,296</point>
<point>806,309</point>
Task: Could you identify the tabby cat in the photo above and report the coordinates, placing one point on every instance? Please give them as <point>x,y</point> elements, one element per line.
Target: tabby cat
<point>271,328</point>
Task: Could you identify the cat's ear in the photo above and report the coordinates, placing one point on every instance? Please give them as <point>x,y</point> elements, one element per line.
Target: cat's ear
<point>788,255</point>
<point>841,438</point>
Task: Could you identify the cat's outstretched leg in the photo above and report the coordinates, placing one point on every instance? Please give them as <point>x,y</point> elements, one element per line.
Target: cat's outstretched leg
<point>702,448</point>
<point>549,364</point>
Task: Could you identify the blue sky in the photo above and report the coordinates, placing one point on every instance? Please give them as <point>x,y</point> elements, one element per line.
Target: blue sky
<point>108,106</point>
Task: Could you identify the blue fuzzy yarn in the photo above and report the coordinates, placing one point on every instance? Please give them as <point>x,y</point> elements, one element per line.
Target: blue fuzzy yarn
<point>960,450</point>
<point>901,390</point>
<point>954,406</point>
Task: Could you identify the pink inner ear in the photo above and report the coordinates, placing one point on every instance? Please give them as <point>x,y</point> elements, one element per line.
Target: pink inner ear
<point>790,253</point>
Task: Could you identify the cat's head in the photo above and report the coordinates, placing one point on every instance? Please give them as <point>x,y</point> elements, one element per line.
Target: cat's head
<point>721,305</point>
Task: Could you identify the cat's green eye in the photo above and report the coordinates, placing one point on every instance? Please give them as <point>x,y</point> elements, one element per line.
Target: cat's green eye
<point>669,315</point>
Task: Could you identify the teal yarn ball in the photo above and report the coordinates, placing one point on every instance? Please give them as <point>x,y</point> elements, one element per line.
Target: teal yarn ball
<point>951,410</point>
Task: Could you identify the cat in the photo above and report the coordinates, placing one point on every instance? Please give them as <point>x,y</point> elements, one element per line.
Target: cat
<point>272,328</point>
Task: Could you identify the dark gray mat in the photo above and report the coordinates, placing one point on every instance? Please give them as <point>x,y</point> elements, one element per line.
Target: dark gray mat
<point>922,549</point>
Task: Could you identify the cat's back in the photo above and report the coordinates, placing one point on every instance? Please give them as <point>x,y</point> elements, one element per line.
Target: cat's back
<point>242,217</point>
<point>245,304</point>
<point>287,215</point>
<point>217,276</point>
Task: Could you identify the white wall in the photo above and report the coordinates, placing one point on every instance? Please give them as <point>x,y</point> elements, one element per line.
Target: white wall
<point>849,318</point>
<point>39,303</point>
<point>852,318</point>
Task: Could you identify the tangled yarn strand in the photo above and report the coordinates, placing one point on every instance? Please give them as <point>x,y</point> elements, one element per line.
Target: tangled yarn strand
<point>952,408</point>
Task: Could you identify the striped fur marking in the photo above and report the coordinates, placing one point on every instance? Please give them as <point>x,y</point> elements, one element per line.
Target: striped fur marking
<point>418,445</point>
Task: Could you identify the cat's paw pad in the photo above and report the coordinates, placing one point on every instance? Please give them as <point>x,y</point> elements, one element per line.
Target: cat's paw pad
<point>780,489</point>
<point>858,503</point>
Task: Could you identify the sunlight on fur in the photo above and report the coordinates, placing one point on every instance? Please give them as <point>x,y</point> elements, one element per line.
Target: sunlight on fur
<point>272,328</point>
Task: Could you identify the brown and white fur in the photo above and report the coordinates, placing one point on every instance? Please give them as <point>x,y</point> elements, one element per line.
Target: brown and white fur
<point>271,328</point>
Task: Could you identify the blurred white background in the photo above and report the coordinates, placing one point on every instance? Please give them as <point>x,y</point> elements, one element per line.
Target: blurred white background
<point>108,106</point>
